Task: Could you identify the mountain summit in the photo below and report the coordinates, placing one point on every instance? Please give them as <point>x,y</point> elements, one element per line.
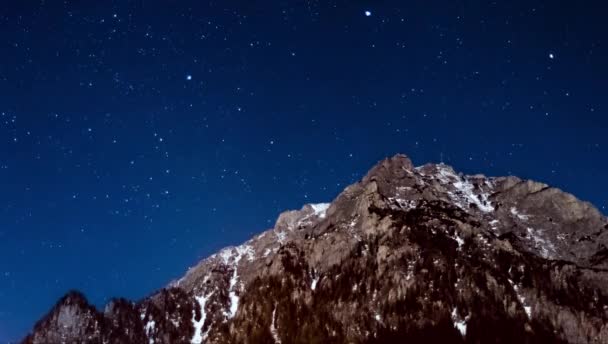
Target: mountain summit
<point>407,254</point>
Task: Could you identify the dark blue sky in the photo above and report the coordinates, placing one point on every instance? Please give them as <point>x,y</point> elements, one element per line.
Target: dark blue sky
<point>137,137</point>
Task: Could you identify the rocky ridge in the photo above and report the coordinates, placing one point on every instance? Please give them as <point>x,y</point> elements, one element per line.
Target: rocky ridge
<point>407,253</point>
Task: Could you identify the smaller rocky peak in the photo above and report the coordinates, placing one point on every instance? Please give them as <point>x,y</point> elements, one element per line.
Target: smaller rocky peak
<point>71,319</point>
<point>74,302</point>
<point>388,175</point>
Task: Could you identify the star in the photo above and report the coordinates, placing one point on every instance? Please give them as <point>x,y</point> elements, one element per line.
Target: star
<point>368,13</point>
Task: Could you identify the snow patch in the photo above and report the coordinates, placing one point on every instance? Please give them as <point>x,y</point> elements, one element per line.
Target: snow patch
<point>459,241</point>
<point>149,330</point>
<point>464,190</point>
<point>234,299</point>
<point>320,209</point>
<point>515,212</point>
<point>313,285</point>
<point>199,336</point>
<point>232,256</point>
<point>280,237</point>
<point>403,203</point>
<point>481,200</point>
<point>226,254</point>
<point>410,271</point>
<point>546,247</point>
<point>522,300</point>
<point>246,250</point>
<point>459,324</point>
<point>273,328</point>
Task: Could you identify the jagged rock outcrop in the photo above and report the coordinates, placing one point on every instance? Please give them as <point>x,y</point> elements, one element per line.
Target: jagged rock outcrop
<point>408,254</point>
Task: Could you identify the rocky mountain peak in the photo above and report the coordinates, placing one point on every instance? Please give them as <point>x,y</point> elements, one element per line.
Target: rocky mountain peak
<point>406,254</point>
<point>73,298</point>
<point>390,168</point>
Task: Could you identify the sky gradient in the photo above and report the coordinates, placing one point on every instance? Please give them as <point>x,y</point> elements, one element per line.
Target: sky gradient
<point>137,138</point>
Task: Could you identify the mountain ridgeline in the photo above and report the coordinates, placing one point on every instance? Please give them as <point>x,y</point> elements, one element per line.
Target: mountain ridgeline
<point>408,254</point>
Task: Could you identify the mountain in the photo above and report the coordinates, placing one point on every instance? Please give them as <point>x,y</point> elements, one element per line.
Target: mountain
<point>407,254</point>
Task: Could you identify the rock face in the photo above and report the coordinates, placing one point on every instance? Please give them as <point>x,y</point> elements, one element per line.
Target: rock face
<point>408,254</point>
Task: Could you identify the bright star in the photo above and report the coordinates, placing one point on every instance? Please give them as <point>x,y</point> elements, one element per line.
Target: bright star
<point>368,13</point>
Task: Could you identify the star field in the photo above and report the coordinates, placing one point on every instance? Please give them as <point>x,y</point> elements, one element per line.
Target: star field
<point>138,137</point>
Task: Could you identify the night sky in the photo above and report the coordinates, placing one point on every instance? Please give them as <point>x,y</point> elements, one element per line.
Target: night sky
<point>138,137</point>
